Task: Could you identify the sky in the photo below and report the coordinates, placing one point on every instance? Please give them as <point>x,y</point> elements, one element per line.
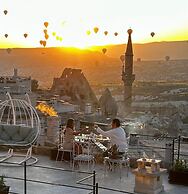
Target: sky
<point>71,19</point>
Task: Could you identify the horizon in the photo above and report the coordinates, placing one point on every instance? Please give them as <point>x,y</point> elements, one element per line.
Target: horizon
<point>93,47</point>
<point>66,29</point>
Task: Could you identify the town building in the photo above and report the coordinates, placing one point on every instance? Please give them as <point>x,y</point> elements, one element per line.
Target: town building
<point>15,85</point>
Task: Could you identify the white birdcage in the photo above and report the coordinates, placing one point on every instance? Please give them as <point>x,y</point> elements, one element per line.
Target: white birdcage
<point>19,125</point>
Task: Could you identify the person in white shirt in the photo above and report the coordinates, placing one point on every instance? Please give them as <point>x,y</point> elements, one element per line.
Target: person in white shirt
<point>117,135</point>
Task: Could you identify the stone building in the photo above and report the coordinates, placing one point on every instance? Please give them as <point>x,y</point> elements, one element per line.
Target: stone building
<point>15,85</point>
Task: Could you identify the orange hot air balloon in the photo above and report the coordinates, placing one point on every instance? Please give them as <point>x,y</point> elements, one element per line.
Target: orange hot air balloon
<point>25,35</point>
<point>44,43</point>
<point>46,24</point>
<point>115,33</point>
<point>122,58</point>
<point>46,36</point>
<point>41,42</point>
<point>152,34</point>
<point>105,33</point>
<point>53,33</point>
<point>95,29</point>
<point>88,32</point>
<point>5,12</point>
<point>45,31</point>
<point>6,35</point>
<point>104,50</point>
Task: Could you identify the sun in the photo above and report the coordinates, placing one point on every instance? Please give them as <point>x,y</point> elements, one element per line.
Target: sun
<point>81,45</point>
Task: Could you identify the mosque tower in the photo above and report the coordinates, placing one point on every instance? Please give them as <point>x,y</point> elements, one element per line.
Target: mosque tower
<point>127,74</point>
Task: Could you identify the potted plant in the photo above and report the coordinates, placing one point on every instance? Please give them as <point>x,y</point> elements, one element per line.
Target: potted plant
<point>179,173</point>
<point>3,188</point>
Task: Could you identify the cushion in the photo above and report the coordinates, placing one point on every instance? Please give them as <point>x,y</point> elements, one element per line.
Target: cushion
<point>17,134</point>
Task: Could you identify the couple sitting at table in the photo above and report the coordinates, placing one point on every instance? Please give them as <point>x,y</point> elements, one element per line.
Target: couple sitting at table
<point>117,136</point>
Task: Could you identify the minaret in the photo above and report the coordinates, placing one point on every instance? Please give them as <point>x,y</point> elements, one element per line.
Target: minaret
<point>15,72</point>
<point>127,74</point>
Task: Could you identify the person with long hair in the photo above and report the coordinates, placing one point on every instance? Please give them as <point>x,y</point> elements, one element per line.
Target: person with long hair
<point>69,134</point>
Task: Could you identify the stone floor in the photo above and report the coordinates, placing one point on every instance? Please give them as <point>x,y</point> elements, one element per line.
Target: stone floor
<point>108,180</point>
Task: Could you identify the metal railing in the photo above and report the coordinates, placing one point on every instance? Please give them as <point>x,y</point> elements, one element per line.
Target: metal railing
<point>93,188</point>
<point>90,188</point>
<point>176,142</point>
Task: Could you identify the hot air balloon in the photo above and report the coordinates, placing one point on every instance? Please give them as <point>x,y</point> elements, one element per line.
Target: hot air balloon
<point>152,34</point>
<point>122,58</point>
<point>104,50</point>
<point>41,42</point>
<point>129,31</point>
<point>60,38</point>
<point>46,24</point>
<point>95,29</point>
<point>53,33</point>
<point>5,12</point>
<point>25,35</point>
<point>6,35</point>
<point>88,32</point>
<point>44,43</point>
<point>63,23</point>
<point>167,58</point>
<point>105,33</point>
<point>57,37</point>
<point>45,31</point>
<point>46,36</point>
<point>115,33</point>
<point>9,50</point>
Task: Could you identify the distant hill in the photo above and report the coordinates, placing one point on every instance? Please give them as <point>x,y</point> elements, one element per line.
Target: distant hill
<point>44,64</point>
<point>153,51</point>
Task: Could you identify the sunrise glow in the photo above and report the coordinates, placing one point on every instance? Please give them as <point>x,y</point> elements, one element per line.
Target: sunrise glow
<point>70,21</point>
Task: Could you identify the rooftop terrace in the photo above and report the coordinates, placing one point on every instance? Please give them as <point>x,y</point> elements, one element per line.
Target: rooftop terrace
<point>49,177</point>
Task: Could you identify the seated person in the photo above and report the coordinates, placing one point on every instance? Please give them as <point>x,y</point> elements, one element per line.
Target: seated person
<point>117,136</point>
<point>69,134</point>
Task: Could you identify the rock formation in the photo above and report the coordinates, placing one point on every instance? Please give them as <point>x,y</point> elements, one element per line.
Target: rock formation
<point>74,84</point>
<point>108,104</point>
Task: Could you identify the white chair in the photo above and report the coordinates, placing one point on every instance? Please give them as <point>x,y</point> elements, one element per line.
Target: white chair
<point>86,156</point>
<point>113,163</point>
<point>61,148</point>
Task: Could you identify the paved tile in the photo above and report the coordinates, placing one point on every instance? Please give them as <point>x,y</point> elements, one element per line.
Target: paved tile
<point>108,180</point>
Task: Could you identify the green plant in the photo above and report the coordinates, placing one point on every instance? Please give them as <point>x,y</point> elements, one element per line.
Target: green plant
<point>180,165</point>
<point>4,189</point>
<point>2,182</point>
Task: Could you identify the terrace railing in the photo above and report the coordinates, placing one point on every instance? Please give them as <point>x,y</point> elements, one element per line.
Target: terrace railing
<point>159,146</point>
